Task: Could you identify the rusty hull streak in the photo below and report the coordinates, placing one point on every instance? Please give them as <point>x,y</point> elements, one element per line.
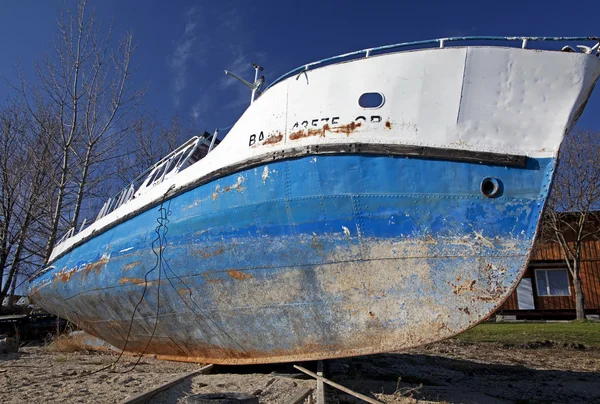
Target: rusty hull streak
<point>138,281</point>
<point>94,266</point>
<point>238,185</point>
<point>126,279</point>
<point>273,139</point>
<point>131,265</point>
<point>209,353</point>
<point>239,275</point>
<point>209,278</point>
<point>466,286</point>
<point>208,254</point>
<point>346,129</point>
<point>317,244</point>
<point>380,340</point>
<point>310,132</point>
<point>64,275</point>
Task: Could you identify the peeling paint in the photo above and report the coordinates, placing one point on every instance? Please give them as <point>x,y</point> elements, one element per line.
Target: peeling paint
<point>95,266</point>
<point>273,139</point>
<point>274,281</point>
<point>137,281</point>
<point>209,252</point>
<point>309,132</point>
<point>465,286</point>
<point>237,186</point>
<point>64,275</point>
<point>131,265</point>
<point>317,245</point>
<point>239,275</point>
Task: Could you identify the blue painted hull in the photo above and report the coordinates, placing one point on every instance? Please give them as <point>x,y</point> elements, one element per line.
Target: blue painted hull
<point>311,258</point>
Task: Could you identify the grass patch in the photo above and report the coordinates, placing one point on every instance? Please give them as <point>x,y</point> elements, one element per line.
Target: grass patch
<point>585,333</point>
<point>66,343</point>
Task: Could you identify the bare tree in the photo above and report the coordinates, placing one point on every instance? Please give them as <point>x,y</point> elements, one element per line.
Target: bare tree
<point>150,141</point>
<point>10,183</point>
<point>25,169</point>
<point>573,215</point>
<point>86,97</point>
<point>106,111</point>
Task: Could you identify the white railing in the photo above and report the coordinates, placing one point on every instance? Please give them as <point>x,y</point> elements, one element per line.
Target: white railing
<point>166,167</point>
<point>440,42</point>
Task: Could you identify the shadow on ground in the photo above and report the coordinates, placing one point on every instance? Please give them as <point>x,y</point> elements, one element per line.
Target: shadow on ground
<point>391,377</point>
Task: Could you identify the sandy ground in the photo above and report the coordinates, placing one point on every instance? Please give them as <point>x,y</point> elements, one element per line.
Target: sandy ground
<point>449,372</point>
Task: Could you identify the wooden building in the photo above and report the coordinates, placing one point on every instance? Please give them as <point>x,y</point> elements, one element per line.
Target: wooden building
<point>546,289</point>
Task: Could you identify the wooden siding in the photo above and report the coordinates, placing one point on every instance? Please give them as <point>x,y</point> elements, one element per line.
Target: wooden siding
<point>549,255</point>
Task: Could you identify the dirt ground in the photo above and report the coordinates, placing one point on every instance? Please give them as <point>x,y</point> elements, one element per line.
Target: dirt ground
<point>448,372</point>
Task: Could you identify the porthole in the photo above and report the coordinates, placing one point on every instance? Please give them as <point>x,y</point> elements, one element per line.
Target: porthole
<point>371,100</point>
<point>490,187</point>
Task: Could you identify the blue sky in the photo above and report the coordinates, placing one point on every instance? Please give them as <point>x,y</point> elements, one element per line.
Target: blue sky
<point>184,46</point>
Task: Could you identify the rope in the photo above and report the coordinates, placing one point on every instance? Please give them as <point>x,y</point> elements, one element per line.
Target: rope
<point>162,220</point>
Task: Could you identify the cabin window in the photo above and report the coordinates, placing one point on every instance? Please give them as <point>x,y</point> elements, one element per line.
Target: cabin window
<point>195,155</point>
<point>156,175</point>
<point>371,100</point>
<point>552,282</point>
<point>173,162</point>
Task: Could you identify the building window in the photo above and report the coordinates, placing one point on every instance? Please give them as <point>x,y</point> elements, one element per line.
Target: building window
<point>552,282</point>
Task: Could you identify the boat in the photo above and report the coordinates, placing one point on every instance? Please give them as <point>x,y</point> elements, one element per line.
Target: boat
<point>369,202</point>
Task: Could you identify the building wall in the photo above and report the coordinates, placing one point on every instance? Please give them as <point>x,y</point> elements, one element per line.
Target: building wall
<point>549,255</point>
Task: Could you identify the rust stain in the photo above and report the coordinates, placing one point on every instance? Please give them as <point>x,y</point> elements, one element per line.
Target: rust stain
<point>346,129</point>
<point>494,287</point>
<point>466,286</point>
<point>167,349</point>
<point>209,278</point>
<point>443,327</point>
<point>238,185</point>
<point>64,275</point>
<point>238,275</point>
<point>131,265</point>
<point>215,194</point>
<point>388,125</point>
<point>137,281</point>
<point>317,244</point>
<point>94,267</point>
<point>208,254</point>
<point>274,139</point>
<point>297,135</point>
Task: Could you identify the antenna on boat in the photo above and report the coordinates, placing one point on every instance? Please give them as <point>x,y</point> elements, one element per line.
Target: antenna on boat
<point>258,81</point>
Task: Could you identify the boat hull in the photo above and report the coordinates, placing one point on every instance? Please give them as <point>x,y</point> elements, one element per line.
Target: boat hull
<point>308,258</point>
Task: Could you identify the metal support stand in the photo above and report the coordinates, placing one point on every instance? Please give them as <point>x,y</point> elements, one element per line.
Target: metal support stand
<point>337,386</point>
<point>320,384</point>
